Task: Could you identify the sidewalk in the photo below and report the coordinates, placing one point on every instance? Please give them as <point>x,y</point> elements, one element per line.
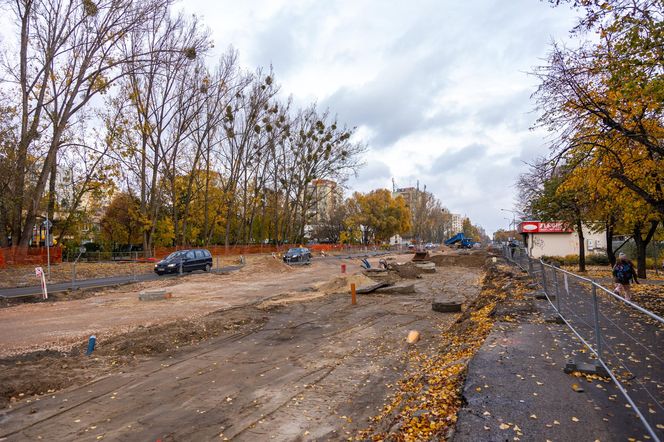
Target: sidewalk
<point>516,388</point>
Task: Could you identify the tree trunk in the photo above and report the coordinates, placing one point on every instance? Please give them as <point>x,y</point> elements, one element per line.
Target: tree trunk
<point>609,242</point>
<point>51,190</point>
<point>582,246</point>
<point>641,246</point>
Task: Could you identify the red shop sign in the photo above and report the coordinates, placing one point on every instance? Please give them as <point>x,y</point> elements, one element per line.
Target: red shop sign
<point>539,227</point>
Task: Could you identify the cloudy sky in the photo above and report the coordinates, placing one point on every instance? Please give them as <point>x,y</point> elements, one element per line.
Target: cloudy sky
<point>438,89</point>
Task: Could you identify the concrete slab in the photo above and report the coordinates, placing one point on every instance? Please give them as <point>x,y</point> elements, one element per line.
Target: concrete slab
<point>154,295</point>
<point>446,305</point>
<point>397,289</point>
<point>370,288</point>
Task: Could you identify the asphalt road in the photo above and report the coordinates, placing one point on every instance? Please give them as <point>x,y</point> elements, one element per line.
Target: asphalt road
<point>18,292</point>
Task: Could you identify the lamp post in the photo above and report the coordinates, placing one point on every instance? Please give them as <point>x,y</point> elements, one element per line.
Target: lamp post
<point>513,217</point>
<point>47,224</point>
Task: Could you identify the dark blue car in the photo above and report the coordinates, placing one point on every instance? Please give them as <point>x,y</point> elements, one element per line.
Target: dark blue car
<point>190,260</point>
<point>297,254</point>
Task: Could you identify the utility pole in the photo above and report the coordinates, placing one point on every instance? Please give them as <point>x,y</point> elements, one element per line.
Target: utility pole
<point>48,247</point>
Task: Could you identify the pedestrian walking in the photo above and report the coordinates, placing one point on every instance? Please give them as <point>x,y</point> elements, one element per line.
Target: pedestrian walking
<point>623,274</point>
<point>512,246</point>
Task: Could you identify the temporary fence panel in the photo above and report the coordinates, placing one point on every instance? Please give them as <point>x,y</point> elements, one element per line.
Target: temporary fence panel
<point>625,339</point>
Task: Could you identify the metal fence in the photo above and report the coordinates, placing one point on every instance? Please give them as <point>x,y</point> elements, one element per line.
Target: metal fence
<point>625,340</point>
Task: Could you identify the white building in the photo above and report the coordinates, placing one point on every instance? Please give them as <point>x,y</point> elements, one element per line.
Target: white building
<point>554,239</point>
<point>457,223</point>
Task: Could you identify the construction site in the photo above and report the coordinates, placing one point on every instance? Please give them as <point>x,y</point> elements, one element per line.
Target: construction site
<point>383,346</point>
<point>269,351</point>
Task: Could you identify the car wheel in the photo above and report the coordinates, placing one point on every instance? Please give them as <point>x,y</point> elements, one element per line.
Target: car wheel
<point>207,267</point>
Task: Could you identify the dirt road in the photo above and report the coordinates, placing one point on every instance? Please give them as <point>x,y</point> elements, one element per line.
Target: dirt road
<point>60,325</point>
<point>315,369</point>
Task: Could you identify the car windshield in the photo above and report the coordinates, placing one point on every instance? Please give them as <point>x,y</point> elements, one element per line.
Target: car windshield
<point>294,251</point>
<point>175,255</point>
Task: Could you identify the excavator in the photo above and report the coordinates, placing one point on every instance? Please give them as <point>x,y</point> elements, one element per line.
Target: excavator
<point>461,241</point>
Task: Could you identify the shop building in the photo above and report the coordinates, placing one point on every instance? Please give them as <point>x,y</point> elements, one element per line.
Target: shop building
<point>557,239</point>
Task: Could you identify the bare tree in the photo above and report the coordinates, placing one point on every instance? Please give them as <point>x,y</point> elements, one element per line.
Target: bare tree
<point>69,52</point>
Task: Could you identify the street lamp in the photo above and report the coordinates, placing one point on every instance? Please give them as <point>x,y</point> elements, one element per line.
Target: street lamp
<point>513,217</point>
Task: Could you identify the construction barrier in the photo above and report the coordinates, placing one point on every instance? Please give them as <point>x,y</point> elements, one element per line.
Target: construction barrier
<point>233,250</point>
<point>13,256</point>
<point>623,338</point>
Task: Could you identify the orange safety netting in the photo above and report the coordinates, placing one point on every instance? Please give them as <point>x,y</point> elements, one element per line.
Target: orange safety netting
<point>29,255</point>
<point>161,252</point>
<point>11,256</point>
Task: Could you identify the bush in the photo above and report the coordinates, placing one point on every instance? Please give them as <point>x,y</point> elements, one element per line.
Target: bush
<point>573,260</point>
<point>553,260</point>
<point>597,259</point>
<point>92,247</point>
<point>650,263</point>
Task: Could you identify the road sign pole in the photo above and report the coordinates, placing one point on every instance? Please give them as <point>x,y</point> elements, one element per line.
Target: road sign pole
<point>48,247</point>
<point>598,336</point>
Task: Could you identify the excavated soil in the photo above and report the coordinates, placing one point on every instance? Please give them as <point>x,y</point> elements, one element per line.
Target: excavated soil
<point>42,372</point>
<point>315,370</point>
<point>338,285</point>
<point>266,264</point>
<point>471,259</point>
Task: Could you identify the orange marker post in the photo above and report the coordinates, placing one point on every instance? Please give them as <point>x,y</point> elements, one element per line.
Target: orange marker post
<point>352,294</point>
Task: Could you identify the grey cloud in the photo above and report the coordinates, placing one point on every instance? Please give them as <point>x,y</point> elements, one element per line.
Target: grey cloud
<point>375,174</point>
<point>276,45</point>
<point>423,50</point>
<point>458,158</point>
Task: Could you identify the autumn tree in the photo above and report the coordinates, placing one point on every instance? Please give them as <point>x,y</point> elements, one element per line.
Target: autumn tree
<point>120,223</point>
<point>605,100</point>
<point>548,199</point>
<point>67,53</point>
<point>379,215</point>
<point>503,235</point>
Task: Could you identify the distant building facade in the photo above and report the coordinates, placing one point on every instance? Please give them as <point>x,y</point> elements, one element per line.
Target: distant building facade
<point>409,194</point>
<point>457,223</point>
<point>324,197</point>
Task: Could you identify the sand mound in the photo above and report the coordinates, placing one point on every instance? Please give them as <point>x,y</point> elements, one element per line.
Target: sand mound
<point>266,264</point>
<point>342,283</point>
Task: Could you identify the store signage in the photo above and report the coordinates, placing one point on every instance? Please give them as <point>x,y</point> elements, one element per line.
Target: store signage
<point>540,227</point>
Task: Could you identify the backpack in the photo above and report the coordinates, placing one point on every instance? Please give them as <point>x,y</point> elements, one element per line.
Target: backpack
<point>623,272</point>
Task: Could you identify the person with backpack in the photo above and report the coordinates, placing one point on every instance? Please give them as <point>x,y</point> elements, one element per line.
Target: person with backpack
<point>623,273</point>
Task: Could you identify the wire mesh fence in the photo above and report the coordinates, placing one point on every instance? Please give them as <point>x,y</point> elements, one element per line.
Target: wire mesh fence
<point>624,339</point>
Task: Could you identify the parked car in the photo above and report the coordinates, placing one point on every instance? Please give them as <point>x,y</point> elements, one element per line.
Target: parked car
<point>430,246</point>
<point>297,254</point>
<point>196,259</point>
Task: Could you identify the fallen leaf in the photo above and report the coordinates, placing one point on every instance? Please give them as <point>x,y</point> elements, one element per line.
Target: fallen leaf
<point>575,419</point>
<point>504,426</point>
